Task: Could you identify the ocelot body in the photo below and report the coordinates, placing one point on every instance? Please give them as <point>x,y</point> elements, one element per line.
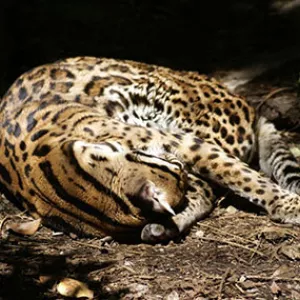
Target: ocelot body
<point>109,147</point>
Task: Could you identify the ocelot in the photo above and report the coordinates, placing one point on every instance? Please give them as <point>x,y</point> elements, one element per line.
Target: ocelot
<point>111,147</point>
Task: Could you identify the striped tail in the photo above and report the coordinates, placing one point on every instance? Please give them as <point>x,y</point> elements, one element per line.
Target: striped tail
<point>275,157</point>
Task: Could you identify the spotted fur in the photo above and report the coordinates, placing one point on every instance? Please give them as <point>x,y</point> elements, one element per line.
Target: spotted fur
<point>105,146</point>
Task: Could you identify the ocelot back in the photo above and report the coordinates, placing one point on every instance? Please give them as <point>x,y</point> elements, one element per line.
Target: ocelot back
<point>109,147</point>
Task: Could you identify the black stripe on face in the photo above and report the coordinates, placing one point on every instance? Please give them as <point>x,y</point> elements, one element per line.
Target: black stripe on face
<point>175,162</point>
<point>78,203</point>
<point>97,185</point>
<point>132,157</point>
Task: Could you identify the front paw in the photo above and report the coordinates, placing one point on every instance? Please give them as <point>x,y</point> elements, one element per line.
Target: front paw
<point>286,209</point>
<point>157,233</point>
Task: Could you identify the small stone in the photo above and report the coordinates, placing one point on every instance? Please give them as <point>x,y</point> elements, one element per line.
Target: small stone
<point>172,296</point>
<point>199,233</point>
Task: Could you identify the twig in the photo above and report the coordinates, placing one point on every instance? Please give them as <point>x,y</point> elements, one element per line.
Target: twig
<point>277,91</point>
<point>214,276</point>
<point>241,215</point>
<point>130,270</point>
<point>222,283</point>
<point>90,245</point>
<point>233,244</point>
<point>228,233</point>
<point>267,278</point>
<point>239,288</point>
<point>271,94</point>
<point>257,246</point>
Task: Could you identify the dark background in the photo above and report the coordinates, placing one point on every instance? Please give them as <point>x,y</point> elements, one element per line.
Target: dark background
<point>186,34</point>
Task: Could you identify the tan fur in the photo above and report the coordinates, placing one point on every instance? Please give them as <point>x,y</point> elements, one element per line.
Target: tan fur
<point>86,141</point>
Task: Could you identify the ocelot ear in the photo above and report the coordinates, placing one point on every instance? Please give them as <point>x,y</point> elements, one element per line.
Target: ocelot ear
<point>150,197</point>
<point>147,191</point>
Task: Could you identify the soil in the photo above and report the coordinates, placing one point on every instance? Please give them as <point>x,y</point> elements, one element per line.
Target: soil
<point>233,254</point>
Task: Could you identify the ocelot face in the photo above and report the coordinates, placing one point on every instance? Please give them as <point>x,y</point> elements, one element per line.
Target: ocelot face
<point>150,183</point>
<point>160,184</point>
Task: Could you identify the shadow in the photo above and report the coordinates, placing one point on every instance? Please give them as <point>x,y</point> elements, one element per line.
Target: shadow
<point>21,266</point>
<point>242,204</point>
<point>231,34</point>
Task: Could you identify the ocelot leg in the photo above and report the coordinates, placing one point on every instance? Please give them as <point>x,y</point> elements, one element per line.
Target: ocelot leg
<point>212,162</point>
<point>276,159</point>
<point>200,200</point>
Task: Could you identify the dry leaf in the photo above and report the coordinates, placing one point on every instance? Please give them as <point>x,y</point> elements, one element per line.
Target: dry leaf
<point>248,284</point>
<point>284,271</point>
<point>43,279</point>
<point>295,295</point>
<point>231,210</point>
<point>25,228</point>
<point>172,296</point>
<point>275,289</point>
<point>296,151</point>
<point>69,287</point>
<point>291,251</point>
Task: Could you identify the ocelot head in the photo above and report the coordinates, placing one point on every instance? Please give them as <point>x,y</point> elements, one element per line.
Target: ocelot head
<point>150,183</point>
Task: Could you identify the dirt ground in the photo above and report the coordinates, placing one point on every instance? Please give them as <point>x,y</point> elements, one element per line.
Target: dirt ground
<point>233,254</point>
